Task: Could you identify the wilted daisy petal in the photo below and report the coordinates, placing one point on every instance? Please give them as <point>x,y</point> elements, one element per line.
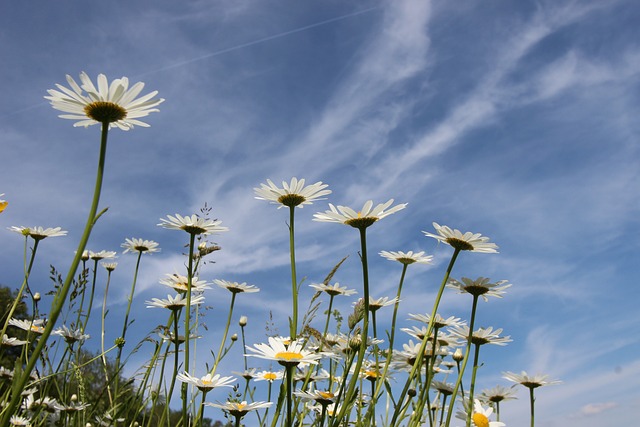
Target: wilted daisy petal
<point>293,194</point>
<point>114,104</point>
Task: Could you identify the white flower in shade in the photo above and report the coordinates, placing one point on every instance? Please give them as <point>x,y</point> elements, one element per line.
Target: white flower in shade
<point>480,416</point>
<point>293,194</point>
<point>139,245</point>
<point>36,326</point>
<point>439,321</point>
<point>109,266</point>
<point>208,382</point>
<point>115,104</point>
<point>498,394</point>
<point>235,287</point>
<point>39,233</point>
<point>180,283</point>
<point>480,287</point>
<point>443,387</point>
<point>70,336</point>
<point>3,203</point>
<point>362,219</point>
<point>44,403</point>
<point>170,337</point>
<point>174,303</point>
<point>17,420</point>
<point>73,406</point>
<point>286,353</point>
<point>270,376</point>
<point>481,336</point>
<point>334,289</point>
<point>407,257</point>
<point>318,396</point>
<point>529,381</point>
<point>474,242</point>
<point>376,304</point>
<point>192,224</point>
<point>97,256</point>
<point>239,409</point>
<point>12,341</point>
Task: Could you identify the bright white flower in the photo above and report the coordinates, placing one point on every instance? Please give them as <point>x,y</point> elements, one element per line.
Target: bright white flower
<point>192,224</point>
<point>139,245</point>
<point>334,289</point>
<point>529,381</point>
<point>362,219</point>
<point>270,376</point>
<point>239,409</point>
<point>498,394</point>
<point>208,382</point>
<point>318,396</point>
<point>439,322</point>
<point>286,353</point>
<point>115,103</point>
<point>109,266</point>
<point>3,203</point>
<point>480,287</point>
<point>463,242</point>
<point>481,336</point>
<point>293,194</point>
<point>174,303</point>
<point>376,304</point>
<point>180,283</point>
<point>12,341</point>
<point>69,335</point>
<point>44,403</point>
<point>407,257</point>
<point>480,416</point>
<point>97,256</point>
<point>443,387</point>
<point>39,233</point>
<point>73,406</point>
<point>36,326</point>
<point>17,420</point>
<point>235,287</point>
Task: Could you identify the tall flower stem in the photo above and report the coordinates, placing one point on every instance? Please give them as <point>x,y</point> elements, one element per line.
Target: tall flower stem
<point>59,300</point>
<point>224,337</point>
<point>187,328</point>
<point>416,366</point>
<point>464,365</point>
<point>294,280</point>
<point>105,366</point>
<point>532,403</point>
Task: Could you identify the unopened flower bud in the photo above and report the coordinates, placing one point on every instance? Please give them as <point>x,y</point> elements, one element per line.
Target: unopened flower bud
<point>85,256</point>
<point>234,337</point>
<point>74,397</point>
<point>202,246</point>
<point>243,321</point>
<point>119,342</point>
<point>37,297</point>
<point>411,392</point>
<point>457,355</point>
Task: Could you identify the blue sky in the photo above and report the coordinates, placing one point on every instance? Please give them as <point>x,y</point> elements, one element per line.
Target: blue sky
<point>517,120</point>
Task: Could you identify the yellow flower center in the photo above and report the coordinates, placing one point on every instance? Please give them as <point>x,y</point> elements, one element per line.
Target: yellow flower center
<point>459,244</point>
<point>206,382</point>
<point>105,111</point>
<point>291,200</point>
<point>240,406</point>
<point>270,376</point>
<point>326,394</point>
<point>3,205</point>
<point>480,420</point>
<point>288,356</point>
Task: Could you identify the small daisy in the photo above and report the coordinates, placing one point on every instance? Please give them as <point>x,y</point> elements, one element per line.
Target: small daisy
<point>170,337</point>
<point>114,104</point>
<point>270,376</point>
<point>443,387</point>
<point>97,256</point>
<point>334,289</point>
<point>239,409</point>
<point>498,394</point>
<point>293,194</point>
<point>376,304</point>
<point>318,396</point>
<point>463,242</point>
<point>36,326</point>
<point>235,287</point>
<point>69,335</point>
<point>480,416</point>
<point>109,266</point>
<point>39,233</point>
<point>208,382</point>
<point>289,354</point>
<point>480,287</point>
<point>439,321</point>
<point>3,203</point>
<point>174,303</point>
<point>139,245</point>
<point>362,219</point>
<point>529,381</point>
<point>481,336</point>
<point>72,407</point>
<point>12,341</point>
<point>17,420</point>
<point>180,283</point>
<point>407,258</point>
<point>192,224</point>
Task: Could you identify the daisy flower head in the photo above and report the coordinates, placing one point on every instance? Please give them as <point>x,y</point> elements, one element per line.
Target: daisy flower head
<point>115,104</point>
<point>36,326</point>
<point>239,409</point>
<point>376,304</point>
<point>480,416</point>
<point>235,287</point>
<point>208,382</point>
<point>181,283</point>
<point>97,256</point>
<point>529,381</point>
<point>407,258</point>
<point>192,224</point>
<point>480,287</point>
<point>109,266</point>
<point>362,219</point>
<point>334,289</point>
<point>39,233</point>
<point>270,376</point>
<point>292,194</point>
<point>498,394</point>
<point>481,336</point>
<point>174,303</point>
<point>17,420</point>
<point>12,341</point>
<point>139,245</point>
<point>474,242</point>
<point>3,203</point>
<point>439,321</point>
<point>318,396</point>
<point>286,353</point>
<point>71,336</point>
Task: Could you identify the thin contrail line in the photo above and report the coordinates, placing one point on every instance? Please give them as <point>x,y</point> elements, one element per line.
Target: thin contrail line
<point>262,40</point>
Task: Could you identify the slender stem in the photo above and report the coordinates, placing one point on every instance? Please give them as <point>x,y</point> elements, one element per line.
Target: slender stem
<point>474,372</point>
<point>294,280</point>
<point>104,356</point>
<point>187,327</point>
<point>224,337</point>
<point>59,300</point>
<point>532,402</point>
<point>289,373</point>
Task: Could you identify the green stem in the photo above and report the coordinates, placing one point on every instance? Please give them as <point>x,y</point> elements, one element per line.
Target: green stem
<point>474,372</point>
<point>224,336</point>
<point>294,281</point>
<point>532,403</point>
<point>59,300</point>
<point>104,356</point>
<point>187,327</point>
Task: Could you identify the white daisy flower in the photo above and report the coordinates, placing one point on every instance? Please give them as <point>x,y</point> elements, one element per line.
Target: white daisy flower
<point>463,242</point>
<point>293,194</point>
<point>39,233</point>
<point>481,336</point>
<point>114,104</point>
<point>208,382</point>
<point>36,326</point>
<point>529,381</point>
<point>174,303</point>
<point>139,245</point>
<point>235,287</point>
<point>270,376</point>
<point>12,341</point>
<point>17,420</point>
<point>334,289</point>
<point>480,416</point>
<point>362,219</point>
<point>192,224</point>
<point>69,335</point>
<point>239,409</point>
<point>407,257</point>
<point>480,287</point>
<point>180,283</point>
<point>286,353</point>
<point>97,256</point>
